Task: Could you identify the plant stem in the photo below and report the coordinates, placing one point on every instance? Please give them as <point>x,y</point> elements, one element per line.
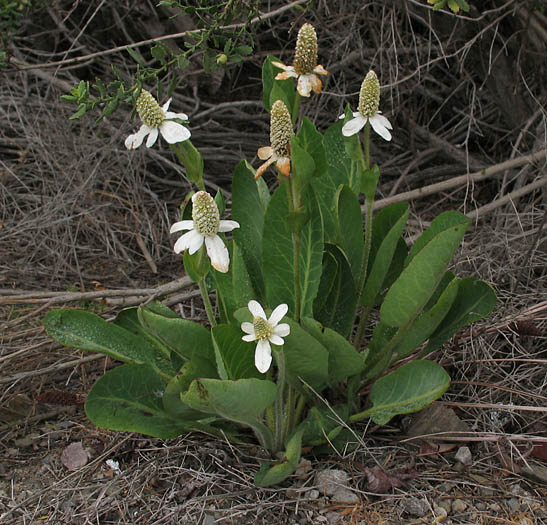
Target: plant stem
<point>280,415</point>
<point>207,301</point>
<point>293,206</point>
<point>296,108</point>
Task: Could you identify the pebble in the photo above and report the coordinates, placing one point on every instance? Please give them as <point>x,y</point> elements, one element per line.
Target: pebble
<point>415,507</point>
<point>481,506</point>
<point>333,482</point>
<point>458,506</point>
<point>494,507</point>
<point>513,503</point>
<point>446,505</point>
<point>464,456</point>
<point>312,494</point>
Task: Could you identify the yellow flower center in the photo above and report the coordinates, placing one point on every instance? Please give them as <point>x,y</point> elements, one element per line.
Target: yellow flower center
<point>281,129</point>
<point>149,110</point>
<point>263,329</point>
<point>205,214</point>
<point>305,56</point>
<point>369,96</point>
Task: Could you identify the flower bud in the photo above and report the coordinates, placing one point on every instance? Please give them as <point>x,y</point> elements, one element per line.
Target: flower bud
<point>281,129</point>
<point>149,110</point>
<point>305,56</point>
<point>205,214</point>
<point>369,97</point>
<point>221,59</point>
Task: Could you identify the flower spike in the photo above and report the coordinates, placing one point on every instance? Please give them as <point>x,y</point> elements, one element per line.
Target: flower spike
<point>281,132</point>
<point>369,102</point>
<point>305,67</point>
<point>156,120</point>
<point>204,227</point>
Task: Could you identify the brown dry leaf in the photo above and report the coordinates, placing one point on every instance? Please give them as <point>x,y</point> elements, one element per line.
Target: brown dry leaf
<point>60,397</point>
<point>437,419</point>
<point>539,450</point>
<point>427,448</point>
<point>381,482</point>
<point>74,456</point>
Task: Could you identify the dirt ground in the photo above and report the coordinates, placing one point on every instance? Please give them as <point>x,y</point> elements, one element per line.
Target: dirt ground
<point>84,223</point>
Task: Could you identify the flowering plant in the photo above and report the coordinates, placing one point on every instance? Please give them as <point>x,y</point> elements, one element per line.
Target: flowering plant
<point>292,377</point>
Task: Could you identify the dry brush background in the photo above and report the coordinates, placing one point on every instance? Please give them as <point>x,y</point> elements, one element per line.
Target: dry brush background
<point>84,222</point>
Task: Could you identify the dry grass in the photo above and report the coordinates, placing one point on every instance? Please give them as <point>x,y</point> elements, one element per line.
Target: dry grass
<point>70,194</point>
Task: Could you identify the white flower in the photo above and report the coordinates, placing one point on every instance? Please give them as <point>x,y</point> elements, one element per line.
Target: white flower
<point>205,227</point>
<point>305,67</point>
<point>156,120</point>
<point>369,101</point>
<point>266,331</point>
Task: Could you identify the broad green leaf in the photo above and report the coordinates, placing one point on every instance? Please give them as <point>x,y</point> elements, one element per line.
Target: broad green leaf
<point>475,300</point>
<point>248,211</point>
<point>235,357</point>
<point>186,338</point>
<point>278,254</point>
<point>408,389</point>
<point>336,298</point>
<point>302,165</point>
<point>274,473</point>
<point>369,180</point>
<point>439,224</point>
<point>306,359</point>
<point>418,281</point>
<point>426,323</point>
<point>344,360</point>
<point>350,229</point>
<point>242,401</point>
<point>87,331</point>
<point>278,250</point>
<point>129,398</point>
<point>338,173</point>
<point>380,350</point>
<point>386,232</point>
<point>312,142</point>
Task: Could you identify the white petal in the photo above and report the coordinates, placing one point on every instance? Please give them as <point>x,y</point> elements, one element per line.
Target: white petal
<point>174,132</point>
<point>256,309</point>
<point>276,340</point>
<point>282,330</point>
<point>227,226</point>
<point>378,125</point>
<point>383,120</point>
<point>152,137</point>
<point>353,126</point>
<point>343,115</point>
<point>249,338</point>
<point>196,242</point>
<point>181,225</point>
<point>278,314</point>
<point>248,328</point>
<point>165,107</point>
<point>135,140</point>
<point>263,356</point>
<point>218,253</point>
<point>304,85</point>
<point>183,243</point>
<point>181,116</point>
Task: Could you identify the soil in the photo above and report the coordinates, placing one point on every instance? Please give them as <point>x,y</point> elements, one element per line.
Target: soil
<point>84,223</point>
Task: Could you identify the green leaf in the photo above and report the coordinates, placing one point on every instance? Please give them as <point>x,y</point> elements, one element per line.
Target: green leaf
<point>312,142</point>
<point>182,336</point>
<point>336,298</point>
<point>248,211</point>
<point>302,165</point>
<point>274,473</point>
<point>129,398</point>
<point>135,55</point>
<point>386,232</point>
<point>306,359</point>
<point>193,161</point>
<point>426,323</point>
<point>369,180</point>
<point>242,401</point>
<point>220,202</point>
<point>159,52</point>
<point>408,389</point>
<point>350,229</point>
<point>87,331</point>
<point>475,300</point>
<point>235,357</point>
<point>418,281</point>
<point>379,354</point>
<point>344,360</point>
<point>322,424</point>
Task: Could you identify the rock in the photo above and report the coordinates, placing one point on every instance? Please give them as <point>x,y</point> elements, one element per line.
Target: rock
<point>458,506</point>
<point>446,505</point>
<point>440,514</point>
<point>333,483</point>
<point>494,507</point>
<point>481,506</point>
<point>415,507</point>
<point>513,503</point>
<point>312,494</point>
<point>464,456</point>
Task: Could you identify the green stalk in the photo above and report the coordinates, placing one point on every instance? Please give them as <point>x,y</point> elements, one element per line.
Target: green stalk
<point>293,206</point>
<point>280,415</point>
<point>207,302</point>
<point>296,108</point>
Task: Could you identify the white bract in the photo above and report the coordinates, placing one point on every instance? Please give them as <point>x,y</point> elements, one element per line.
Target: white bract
<point>157,120</point>
<point>205,227</point>
<point>378,122</point>
<point>265,331</point>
